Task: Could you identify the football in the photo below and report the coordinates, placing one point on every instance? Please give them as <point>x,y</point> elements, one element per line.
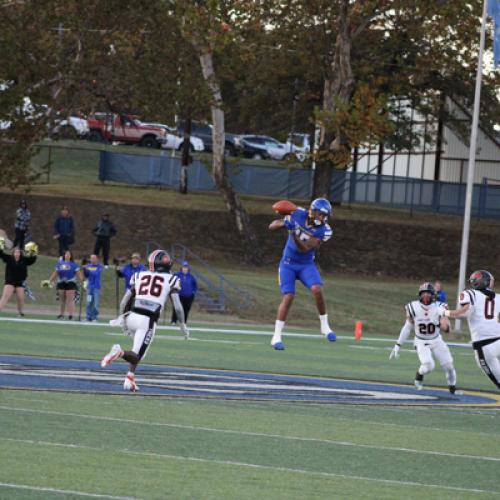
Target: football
<point>284,207</point>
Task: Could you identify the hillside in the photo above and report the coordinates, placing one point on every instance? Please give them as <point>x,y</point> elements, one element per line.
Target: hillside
<point>370,241</point>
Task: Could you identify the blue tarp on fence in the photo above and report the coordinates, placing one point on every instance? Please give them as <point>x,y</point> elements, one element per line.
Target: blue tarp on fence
<point>293,182</point>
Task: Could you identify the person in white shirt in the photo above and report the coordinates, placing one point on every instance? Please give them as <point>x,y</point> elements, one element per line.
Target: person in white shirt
<point>140,310</point>
<point>481,306</point>
<point>426,318</point>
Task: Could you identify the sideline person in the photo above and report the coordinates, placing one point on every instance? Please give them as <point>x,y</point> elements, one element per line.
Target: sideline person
<point>66,273</point>
<point>64,231</point>
<point>23,218</point>
<point>16,273</point>
<point>307,229</point>
<point>189,287</point>
<point>103,231</point>
<point>133,267</point>
<point>92,272</point>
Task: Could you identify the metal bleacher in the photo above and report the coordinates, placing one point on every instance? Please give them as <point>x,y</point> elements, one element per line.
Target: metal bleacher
<point>216,293</point>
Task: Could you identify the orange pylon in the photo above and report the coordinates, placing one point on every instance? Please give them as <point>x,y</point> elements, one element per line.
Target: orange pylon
<point>358,330</point>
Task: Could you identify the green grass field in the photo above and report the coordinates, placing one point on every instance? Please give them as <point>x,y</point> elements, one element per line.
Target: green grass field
<point>67,445</point>
<point>75,444</point>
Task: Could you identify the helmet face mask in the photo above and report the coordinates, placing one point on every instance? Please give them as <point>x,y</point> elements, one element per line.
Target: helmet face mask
<point>481,280</point>
<point>319,211</point>
<point>159,261</point>
<point>427,293</point>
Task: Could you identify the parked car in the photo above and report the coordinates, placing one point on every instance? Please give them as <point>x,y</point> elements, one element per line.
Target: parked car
<point>301,143</point>
<point>72,127</point>
<point>263,143</point>
<point>175,140</point>
<point>114,127</point>
<point>252,150</point>
<point>204,132</point>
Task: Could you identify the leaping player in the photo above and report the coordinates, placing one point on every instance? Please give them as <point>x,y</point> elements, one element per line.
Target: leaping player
<point>140,310</point>
<point>307,229</point>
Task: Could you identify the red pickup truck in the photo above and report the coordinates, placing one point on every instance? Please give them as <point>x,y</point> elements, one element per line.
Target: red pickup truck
<point>114,127</point>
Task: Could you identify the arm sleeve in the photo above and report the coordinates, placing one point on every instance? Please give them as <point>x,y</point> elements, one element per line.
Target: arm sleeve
<point>179,310</point>
<point>3,256</point>
<point>56,226</point>
<point>405,332</point>
<point>127,301</point>
<point>30,260</point>
<point>195,285</point>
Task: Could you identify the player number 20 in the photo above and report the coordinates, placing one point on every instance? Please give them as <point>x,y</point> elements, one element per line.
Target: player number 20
<point>427,329</point>
<point>151,285</point>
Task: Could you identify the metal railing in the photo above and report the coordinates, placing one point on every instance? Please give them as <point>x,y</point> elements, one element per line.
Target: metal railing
<point>216,292</point>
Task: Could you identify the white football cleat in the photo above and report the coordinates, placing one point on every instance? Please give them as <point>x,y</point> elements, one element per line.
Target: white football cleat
<point>115,353</point>
<point>129,383</point>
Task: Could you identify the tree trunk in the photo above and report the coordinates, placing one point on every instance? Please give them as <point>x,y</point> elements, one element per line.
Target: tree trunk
<point>186,157</point>
<point>339,86</point>
<point>219,174</point>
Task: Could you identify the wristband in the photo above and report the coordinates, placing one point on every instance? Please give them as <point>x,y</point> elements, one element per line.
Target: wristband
<point>447,313</point>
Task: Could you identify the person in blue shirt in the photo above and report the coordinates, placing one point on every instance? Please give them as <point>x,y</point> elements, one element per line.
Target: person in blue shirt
<point>440,293</point>
<point>307,229</point>
<point>189,287</point>
<point>92,272</point>
<point>64,231</point>
<point>66,272</point>
<point>134,267</point>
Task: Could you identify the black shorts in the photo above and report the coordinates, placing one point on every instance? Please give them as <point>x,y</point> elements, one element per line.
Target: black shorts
<point>15,284</point>
<point>66,285</point>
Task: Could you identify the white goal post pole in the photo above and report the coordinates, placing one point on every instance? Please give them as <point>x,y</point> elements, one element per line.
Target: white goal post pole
<point>472,164</point>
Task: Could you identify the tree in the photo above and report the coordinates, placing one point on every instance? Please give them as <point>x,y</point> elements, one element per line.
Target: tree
<point>205,27</point>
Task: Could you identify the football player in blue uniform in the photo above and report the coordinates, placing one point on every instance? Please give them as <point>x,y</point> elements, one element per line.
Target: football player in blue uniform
<point>307,229</point>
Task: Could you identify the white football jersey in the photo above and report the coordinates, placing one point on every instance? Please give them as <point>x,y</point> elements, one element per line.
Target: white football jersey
<point>153,287</point>
<point>484,314</point>
<point>425,319</point>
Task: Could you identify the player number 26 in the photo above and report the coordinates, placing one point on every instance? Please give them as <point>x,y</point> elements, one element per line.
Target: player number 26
<point>151,285</point>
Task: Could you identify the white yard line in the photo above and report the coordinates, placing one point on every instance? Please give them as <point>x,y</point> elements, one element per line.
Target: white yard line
<point>229,331</point>
<point>256,466</point>
<point>252,434</point>
<point>62,492</point>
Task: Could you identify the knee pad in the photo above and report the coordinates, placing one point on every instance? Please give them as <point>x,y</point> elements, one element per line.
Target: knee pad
<point>427,367</point>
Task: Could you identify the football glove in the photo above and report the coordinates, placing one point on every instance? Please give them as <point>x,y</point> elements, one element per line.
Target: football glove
<point>46,284</point>
<point>442,310</point>
<point>2,243</point>
<point>31,249</point>
<point>184,330</point>
<point>85,284</point>
<point>289,223</point>
<point>395,352</point>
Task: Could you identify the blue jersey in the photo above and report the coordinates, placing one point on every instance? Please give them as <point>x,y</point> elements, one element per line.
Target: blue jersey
<point>128,271</point>
<point>67,270</point>
<point>93,274</point>
<point>304,232</point>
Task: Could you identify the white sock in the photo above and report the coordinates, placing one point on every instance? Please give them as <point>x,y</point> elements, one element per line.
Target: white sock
<point>325,327</point>
<point>278,328</point>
